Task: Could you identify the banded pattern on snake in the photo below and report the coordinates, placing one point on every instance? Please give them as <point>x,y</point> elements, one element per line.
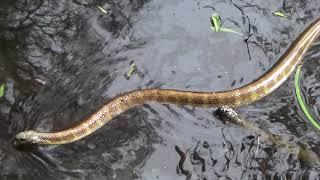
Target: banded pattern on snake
<point>249,93</point>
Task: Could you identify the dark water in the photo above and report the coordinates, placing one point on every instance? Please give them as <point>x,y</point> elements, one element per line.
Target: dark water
<point>61,60</point>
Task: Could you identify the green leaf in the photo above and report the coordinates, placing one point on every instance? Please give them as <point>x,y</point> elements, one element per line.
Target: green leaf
<point>301,101</point>
<point>216,22</point>
<point>132,70</point>
<point>102,10</point>
<point>216,25</point>
<point>281,14</point>
<point>2,87</point>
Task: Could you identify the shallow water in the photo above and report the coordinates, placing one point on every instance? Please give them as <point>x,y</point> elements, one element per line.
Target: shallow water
<point>61,60</point>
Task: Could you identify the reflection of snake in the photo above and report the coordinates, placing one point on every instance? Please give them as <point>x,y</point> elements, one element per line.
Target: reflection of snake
<point>254,91</point>
<point>306,156</point>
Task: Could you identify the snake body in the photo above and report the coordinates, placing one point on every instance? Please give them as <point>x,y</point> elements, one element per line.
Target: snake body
<point>249,93</point>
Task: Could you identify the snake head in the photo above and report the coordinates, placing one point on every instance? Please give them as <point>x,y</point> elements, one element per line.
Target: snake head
<point>25,138</point>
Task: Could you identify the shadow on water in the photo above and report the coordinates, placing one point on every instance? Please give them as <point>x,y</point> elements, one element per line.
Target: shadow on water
<point>61,60</point>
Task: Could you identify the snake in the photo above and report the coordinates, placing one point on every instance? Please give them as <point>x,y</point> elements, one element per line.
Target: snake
<point>249,93</point>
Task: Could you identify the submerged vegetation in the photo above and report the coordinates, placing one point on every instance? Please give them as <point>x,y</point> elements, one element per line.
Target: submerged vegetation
<point>301,102</point>
<point>2,88</point>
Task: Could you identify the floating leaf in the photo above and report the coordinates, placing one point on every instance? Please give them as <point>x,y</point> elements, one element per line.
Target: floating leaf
<point>103,10</point>
<point>216,22</point>
<point>301,101</point>
<point>216,25</point>
<point>2,87</point>
<point>132,70</point>
<point>281,14</point>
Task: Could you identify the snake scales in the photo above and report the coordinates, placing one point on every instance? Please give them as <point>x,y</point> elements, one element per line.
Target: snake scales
<point>249,93</point>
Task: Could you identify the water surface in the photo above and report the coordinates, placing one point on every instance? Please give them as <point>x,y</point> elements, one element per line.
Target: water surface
<point>61,60</point>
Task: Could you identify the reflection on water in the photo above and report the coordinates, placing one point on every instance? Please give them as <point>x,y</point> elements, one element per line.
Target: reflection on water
<point>61,60</point>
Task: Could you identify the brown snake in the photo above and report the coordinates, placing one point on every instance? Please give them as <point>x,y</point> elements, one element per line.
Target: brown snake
<point>249,93</point>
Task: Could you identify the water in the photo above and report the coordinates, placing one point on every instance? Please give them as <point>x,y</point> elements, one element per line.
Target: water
<point>61,60</point>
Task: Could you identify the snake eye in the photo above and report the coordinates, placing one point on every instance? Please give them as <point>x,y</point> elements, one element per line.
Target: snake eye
<point>21,143</point>
<point>22,140</point>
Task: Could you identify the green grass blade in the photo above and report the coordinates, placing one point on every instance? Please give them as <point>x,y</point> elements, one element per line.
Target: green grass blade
<point>301,101</point>
<point>102,10</point>
<point>223,29</point>
<point>2,87</point>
